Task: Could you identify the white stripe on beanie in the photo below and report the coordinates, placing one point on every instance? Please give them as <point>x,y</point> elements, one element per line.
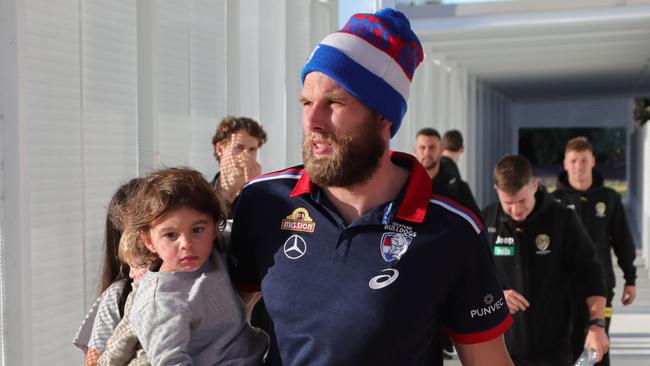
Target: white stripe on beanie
<point>372,59</point>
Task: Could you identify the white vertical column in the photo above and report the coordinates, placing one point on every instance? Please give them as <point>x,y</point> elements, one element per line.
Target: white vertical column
<point>273,81</point>
<point>250,58</point>
<point>645,231</point>
<point>207,62</point>
<point>17,296</point>
<point>472,153</point>
<point>148,100</point>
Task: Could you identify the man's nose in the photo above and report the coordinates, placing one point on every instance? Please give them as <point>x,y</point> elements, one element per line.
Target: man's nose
<point>316,117</point>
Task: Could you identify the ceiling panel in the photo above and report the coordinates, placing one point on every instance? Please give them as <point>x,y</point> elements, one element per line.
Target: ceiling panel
<point>599,49</point>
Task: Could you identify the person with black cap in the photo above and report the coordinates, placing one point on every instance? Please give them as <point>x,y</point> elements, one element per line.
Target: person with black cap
<point>357,261</point>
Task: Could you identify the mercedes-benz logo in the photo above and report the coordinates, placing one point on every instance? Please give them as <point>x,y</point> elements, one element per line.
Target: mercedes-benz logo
<point>295,247</point>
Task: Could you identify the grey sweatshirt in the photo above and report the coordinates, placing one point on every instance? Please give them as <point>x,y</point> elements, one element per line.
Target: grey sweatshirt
<point>195,318</point>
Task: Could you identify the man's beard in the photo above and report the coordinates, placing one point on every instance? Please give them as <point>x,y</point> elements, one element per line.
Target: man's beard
<point>431,164</point>
<point>354,158</point>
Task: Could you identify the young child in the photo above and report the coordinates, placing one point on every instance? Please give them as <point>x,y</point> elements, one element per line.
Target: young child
<point>123,347</point>
<point>106,312</point>
<point>185,310</point>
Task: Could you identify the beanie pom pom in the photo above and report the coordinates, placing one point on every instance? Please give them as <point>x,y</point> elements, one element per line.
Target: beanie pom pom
<point>389,12</point>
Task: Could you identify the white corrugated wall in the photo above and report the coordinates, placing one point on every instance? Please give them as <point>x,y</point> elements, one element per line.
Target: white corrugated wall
<point>96,92</point>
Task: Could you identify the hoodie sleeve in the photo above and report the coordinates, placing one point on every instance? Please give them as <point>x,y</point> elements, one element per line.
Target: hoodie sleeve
<point>622,242</point>
<point>582,257</point>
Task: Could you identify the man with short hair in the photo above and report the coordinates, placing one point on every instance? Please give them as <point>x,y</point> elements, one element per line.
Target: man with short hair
<point>452,149</point>
<point>358,263</point>
<point>235,144</point>
<point>601,211</point>
<point>428,150</point>
<point>538,246</point>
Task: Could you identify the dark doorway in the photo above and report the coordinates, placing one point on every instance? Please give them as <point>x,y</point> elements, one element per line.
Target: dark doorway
<point>544,147</point>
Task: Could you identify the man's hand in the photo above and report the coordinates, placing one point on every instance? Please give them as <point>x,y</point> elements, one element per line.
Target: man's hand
<point>235,171</point>
<point>597,340</point>
<point>629,294</point>
<point>251,168</point>
<point>516,301</point>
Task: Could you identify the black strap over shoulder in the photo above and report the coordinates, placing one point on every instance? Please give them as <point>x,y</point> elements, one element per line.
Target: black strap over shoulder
<point>128,287</point>
<point>491,216</point>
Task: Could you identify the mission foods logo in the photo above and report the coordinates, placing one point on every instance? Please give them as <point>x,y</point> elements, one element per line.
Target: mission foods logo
<point>299,220</point>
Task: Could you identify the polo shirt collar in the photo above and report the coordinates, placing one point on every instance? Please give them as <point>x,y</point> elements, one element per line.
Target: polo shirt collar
<point>415,201</point>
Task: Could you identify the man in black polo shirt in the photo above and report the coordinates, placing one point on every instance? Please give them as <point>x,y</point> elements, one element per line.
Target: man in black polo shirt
<point>358,262</point>
<point>601,211</point>
<point>446,178</point>
<point>538,246</point>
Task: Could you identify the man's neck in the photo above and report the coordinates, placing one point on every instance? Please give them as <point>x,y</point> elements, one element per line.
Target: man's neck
<point>581,185</point>
<point>451,155</point>
<point>383,186</point>
<point>433,172</point>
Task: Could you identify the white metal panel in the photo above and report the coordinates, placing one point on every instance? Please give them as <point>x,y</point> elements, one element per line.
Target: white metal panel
<point>250,58</point>
<point>52,83</point>
<point>172,56</point>
<point>644,147</point>
<point>3,89</point>
<point>207,80</point>
<point>274,74</point>
<point>109,92</point>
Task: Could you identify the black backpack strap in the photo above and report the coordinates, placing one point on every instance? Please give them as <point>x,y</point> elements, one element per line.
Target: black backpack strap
<point>491,216</point>
<point>128,287</point>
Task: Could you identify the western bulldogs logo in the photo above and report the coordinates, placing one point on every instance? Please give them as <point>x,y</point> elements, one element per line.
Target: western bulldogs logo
<point>394,245</point>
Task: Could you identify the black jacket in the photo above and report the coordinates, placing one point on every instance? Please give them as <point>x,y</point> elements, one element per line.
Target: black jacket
<point>601,211</point>
<point>449,184</point>
<point>537,257</point>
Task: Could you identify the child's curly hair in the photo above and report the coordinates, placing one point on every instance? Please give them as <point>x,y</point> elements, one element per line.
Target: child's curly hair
<point>163,191</point>
<point>133,251</point>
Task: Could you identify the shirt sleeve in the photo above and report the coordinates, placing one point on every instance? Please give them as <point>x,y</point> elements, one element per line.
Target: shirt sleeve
<point>242,264</point>
<point>582,256</point>
<point>108,315</point>
<point>163,328</point>
<point>475,310</point>
<point>622,242</point>
<point>82,337</point>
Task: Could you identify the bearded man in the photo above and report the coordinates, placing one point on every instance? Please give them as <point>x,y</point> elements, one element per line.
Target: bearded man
<point>316,240</point>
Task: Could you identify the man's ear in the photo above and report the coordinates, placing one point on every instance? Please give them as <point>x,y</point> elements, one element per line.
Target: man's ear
<point>146,239</point>
<point>218,149</point>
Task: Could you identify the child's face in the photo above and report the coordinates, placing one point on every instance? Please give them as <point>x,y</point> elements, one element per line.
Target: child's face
<point>182,238</point>
<point>136,272</point>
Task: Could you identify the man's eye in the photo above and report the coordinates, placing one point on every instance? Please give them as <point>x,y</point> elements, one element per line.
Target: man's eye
<point>198,229</point>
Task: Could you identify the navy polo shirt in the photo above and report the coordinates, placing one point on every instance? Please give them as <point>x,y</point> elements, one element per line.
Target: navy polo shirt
<point>371,292</point>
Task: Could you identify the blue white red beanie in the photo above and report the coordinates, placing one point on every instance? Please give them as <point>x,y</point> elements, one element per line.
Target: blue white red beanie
<point>373,57</point>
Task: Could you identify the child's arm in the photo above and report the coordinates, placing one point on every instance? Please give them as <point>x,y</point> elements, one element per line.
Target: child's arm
<point>121,347</point>
<point>91,357</point>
